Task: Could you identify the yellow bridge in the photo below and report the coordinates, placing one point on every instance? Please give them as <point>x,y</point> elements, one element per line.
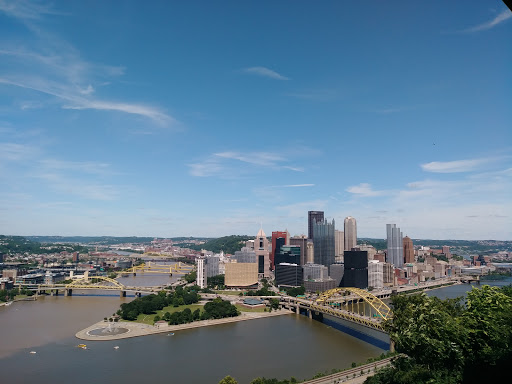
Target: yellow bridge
<point>352,304</point>
<point>95,283</point>
<point>177,268</point>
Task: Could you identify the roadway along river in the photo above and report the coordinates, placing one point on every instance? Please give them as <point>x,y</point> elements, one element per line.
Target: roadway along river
<point>280,347</point>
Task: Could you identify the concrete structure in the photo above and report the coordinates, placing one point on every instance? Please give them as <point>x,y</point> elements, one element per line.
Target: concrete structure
<point>336,273</point>
<point>375,274</point>
<point>350,226</point>
<point>395,250</point>
<point>285,236</point>
<point>315,272</point>
<point>212,266</point>
<point>388,274</point>
<point>339,244</point>
<point>310,252</point>
<point>263,254</point>
<point>302,242</point>
<point>408,250</point>
<point>241,274</point>
<point>446,251</point>
<point>370,249</point>
<point>319,285</point>
<point>201,272</point>
<point>324,242</point>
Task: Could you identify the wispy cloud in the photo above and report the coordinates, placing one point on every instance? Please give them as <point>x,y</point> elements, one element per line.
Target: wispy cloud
<point>364,189</point>
<point>25,9</point>
<point>314,95</point>
<point>500,18</point>
<point>456,166</point>
<point>225,163</point>
<point>265,72</point>
<point>54,67</point>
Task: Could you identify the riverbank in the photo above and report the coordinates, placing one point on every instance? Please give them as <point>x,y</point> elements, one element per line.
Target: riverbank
<point>137,329</point>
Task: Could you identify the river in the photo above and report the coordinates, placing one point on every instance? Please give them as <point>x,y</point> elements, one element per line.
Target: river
<point>281,347</point>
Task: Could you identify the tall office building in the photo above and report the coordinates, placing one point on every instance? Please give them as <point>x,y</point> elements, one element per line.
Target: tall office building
<point>339,243</point>
<point>350,233</point>
<point>288,254</point>
<point>314,217</point>
<point>276,235</point>
<point>323,240</point>
<point>395,254</point>
<point>408,250</point>
<point>201,273</point>
<point>302,242</point>
<point>242,270</point>
<point>261,249</point>
<point>355,273</point>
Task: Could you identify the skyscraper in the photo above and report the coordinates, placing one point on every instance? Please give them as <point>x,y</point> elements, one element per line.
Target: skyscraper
<point>408,250</point>
<point>276,244</point>
<point>302,242</point>
<point>339,243</point>
<point>350,233</point>
<point>323,233</point>
<point>314,217</point>
<point>395,254</point>
<point>261,250</point>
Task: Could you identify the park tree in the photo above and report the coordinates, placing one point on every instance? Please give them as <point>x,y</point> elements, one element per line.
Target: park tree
<point>228,380</point>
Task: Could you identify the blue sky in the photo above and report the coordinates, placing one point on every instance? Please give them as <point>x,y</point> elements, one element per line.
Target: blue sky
<point>211,118</point>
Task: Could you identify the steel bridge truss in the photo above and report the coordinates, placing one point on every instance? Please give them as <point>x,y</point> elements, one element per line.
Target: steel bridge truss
<point>177,268</point>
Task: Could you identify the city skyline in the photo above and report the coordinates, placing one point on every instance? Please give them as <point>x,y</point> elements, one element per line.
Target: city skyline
<point>124,119</point>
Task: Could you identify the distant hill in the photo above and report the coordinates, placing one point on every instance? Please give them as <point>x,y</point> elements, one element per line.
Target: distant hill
<point>228,244</point>
<point>92,240</point>
<point>19,244</point>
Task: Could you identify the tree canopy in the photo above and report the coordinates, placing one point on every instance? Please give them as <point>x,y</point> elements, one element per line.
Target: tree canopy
<point>453,340</point>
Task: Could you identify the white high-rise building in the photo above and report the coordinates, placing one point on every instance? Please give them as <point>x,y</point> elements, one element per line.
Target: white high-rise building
<point>201,272</point>
<point>339,243</point>
<point>375,274</point>
<point>395,254</point>
<point>350,233</point>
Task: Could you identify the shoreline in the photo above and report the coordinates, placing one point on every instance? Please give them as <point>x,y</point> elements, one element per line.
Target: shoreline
<point>139,329</point>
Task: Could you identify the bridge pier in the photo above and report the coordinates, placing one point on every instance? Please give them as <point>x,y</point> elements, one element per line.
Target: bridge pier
<point>122,294</point>
<point>134,274</point>
<point>138,294</point>
<point>54,292</point>
<point>310,314</point>
<point>68,292</point>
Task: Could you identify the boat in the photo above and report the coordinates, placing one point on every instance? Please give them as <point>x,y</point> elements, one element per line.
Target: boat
<point>33,352</point>
<point>170,334</point>
<point>8,303</point>
<point>116,347</point>
<point>83,346</point>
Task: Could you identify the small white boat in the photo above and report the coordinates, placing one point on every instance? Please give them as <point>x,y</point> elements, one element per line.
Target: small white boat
<point>170,334</point>
<point>8,303</point>
<point>116,347</point>
<point>33,352</point>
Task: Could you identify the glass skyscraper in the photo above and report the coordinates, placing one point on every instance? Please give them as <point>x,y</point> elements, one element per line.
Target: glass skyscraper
<point>324,242</point>
<point>395,254</point>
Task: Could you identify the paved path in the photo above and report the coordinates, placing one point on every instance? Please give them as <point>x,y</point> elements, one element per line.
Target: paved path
<point>138,329</point>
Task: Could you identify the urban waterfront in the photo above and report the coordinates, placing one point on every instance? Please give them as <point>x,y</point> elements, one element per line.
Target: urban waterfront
<point>280,347</point>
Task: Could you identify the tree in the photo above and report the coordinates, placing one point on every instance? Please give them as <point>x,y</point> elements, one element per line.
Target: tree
<point>228,380</point>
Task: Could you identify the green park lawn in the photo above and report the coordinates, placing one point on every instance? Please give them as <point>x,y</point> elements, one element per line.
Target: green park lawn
<point>148,319</point>
<point>241,308</point>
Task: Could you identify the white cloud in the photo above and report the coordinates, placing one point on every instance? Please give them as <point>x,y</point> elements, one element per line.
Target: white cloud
<point>456,166</point>
<point>23,9</point>
<point>364,189</point>
<point>255,158</point>
<point>503,16</point>
<point>265,72</point>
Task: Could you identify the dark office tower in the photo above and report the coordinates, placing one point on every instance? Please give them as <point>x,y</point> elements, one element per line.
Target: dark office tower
<point>302,242</point>
<point>1,257</point>
<point>289,275</point>
<point>314,217</point>
<point>285,240</point>
<point>408,250</point>
<point>355,273</point>
<point>323,233</point>
<point>288,254</point>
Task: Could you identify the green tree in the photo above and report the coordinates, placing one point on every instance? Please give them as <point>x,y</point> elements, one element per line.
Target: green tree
<point>228,380</point>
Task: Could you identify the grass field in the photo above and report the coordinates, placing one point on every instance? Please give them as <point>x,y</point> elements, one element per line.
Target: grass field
<point>233,293</point>
<point>241,308</point>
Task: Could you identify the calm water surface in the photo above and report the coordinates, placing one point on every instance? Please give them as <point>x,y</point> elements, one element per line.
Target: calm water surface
<point>275,347</point>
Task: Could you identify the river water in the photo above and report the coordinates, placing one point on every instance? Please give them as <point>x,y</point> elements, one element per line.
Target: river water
<point>279,347</point>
